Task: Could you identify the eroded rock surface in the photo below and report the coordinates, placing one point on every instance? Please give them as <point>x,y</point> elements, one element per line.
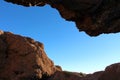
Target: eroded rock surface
<point>65,75</point>
<point>92,16</point>
<point>22,58</point>
<point>111,72</point>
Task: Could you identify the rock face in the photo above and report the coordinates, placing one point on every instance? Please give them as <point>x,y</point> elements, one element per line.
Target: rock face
<point>92,16</point>
<point>112,72</point>
<point>65,75</point>
<point>22,58</point>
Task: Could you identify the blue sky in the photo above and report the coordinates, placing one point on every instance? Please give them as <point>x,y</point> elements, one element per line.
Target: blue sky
<point>64,44</point>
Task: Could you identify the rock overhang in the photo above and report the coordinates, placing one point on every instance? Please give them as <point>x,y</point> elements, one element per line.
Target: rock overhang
<point>93,17</point>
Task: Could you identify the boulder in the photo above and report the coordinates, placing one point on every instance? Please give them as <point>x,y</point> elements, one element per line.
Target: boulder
<point>22,58</point>
<point>65,75</point>
<point>111,72</point>
<point>58,68</point>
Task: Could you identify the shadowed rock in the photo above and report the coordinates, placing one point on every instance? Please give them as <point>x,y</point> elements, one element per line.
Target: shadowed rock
<point>92,16</point>
<point>22,58</point>
<point>111,72</point>
<point>65,75</point>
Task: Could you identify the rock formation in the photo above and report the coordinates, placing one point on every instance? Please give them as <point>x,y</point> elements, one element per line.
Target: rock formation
<point>65,75</point>
<point>22,58</point>
<point>111,72</point>
<point>92,16</point>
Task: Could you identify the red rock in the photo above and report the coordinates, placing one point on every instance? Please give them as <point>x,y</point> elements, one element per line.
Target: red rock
<point>112,72</point>
<point>91,16</point>
<point>58,68</point>
<point>22,57</point>
<point>65,75</point>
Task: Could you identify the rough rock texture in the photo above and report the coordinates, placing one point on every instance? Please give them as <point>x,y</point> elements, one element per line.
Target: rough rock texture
<point>111,72</point>
<point>58,68</point>
<point>92,16</point>
<point>22,58</point>
<point>94,76</point>
<point>65,75</point>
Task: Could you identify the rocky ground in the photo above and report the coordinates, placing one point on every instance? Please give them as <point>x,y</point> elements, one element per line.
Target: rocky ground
<point>22,58</point>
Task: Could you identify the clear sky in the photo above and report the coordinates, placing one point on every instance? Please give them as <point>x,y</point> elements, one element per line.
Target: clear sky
<point>64,44</point>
